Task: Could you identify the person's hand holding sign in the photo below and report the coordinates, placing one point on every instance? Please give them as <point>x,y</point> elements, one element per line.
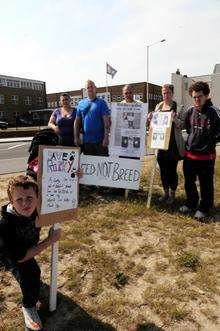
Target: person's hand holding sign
<point>173,115</point>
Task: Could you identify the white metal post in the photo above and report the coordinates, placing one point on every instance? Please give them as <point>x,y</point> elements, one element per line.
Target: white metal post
<point>155,157</point>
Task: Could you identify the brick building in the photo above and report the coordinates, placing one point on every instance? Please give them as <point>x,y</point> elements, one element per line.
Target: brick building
<point>114,94</point>
<point>20,96</point>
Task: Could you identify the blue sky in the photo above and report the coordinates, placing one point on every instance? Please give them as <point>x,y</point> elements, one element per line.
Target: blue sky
<point>65,42</point>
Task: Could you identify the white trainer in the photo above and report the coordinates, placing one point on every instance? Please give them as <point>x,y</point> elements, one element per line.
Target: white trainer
<point>184,209</point>
<point>199,215</point>
<point>32,319</point>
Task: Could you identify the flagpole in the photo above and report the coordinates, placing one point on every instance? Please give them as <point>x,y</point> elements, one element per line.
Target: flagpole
<point>106,77</point>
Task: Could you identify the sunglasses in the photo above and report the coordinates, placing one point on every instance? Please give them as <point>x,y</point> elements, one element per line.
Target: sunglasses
<point>128,93</point>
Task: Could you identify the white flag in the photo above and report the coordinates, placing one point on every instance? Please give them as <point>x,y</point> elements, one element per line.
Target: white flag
<point>111,71</point>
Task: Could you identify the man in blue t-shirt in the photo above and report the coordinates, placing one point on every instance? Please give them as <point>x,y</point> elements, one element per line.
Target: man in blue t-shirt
<point>93,117</point>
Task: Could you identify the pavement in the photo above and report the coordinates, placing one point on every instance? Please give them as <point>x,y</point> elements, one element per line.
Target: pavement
<point>12,140</point>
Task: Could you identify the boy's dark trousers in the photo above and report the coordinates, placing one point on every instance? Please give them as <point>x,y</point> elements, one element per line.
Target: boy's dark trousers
<point>28,276</point>
<point>204,170</point>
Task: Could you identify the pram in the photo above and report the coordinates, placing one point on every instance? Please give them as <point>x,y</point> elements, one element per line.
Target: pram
<point>43,137</point>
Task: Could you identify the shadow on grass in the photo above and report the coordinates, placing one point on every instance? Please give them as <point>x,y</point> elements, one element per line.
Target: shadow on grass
<point>149,327</point>
<point>100,195</point>
<point>68,316</point>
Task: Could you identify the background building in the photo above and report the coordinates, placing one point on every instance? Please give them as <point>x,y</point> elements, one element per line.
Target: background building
<point>19,96</point>
<point>182,82</point>
<point>114,94</point>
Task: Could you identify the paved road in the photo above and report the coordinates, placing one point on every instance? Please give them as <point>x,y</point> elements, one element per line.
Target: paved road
<point>13,156</point>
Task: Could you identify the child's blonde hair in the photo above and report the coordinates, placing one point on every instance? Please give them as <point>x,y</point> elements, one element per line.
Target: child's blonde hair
<point>21,181</point>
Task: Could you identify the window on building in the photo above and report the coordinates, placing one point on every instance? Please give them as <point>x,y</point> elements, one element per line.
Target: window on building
<point>2,114</point>
<point>16,114</point>
<point>14,99</point>
<point>114,98</point>
<point>2,99</point>
<point>16,83</point>
<point>186,86</point>
<point>13,83</point>
<point>9,83</point>
<point>2,81</point>
<point>119,98</point>
<point>40,101</point>
<point>27,100</point>
<point>53,104</point>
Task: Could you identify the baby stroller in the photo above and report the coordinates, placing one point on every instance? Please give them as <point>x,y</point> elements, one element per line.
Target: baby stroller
<point>43,137</point>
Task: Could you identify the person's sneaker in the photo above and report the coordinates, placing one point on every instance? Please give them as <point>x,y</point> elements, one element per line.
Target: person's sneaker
<point>32,319</point>
<point>184,209</point>
<point>164,198</point>
<point>199,215</point>
<point>170,200</point>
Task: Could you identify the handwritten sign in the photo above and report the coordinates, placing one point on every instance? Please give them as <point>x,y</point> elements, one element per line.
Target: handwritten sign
<point>58,183</point>
<point>110,172</point>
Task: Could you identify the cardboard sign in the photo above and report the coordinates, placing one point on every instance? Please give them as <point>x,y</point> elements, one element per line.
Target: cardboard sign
<point>58,184</point>
<point>160,130</point>
<point>110,172</point>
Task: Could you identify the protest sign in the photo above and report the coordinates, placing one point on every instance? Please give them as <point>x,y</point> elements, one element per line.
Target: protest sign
<point>58,197</point>
<point>128,129</point>
<point>58,184</point>
<point>110,172</point>
<point>160,129</point>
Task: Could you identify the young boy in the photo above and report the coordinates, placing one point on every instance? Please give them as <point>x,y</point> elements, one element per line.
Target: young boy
<point>19,244</point>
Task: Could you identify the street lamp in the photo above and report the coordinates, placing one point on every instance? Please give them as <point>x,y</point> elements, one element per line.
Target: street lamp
<point>148,46</point>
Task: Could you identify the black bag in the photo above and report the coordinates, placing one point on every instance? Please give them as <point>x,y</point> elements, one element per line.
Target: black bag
<point>43,137</point>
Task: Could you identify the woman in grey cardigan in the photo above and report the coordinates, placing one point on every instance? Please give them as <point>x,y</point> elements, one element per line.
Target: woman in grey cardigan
<point>168,159</point>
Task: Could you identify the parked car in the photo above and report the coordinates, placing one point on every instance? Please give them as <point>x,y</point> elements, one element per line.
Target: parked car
<point>3,125</point>
<point>24,122</point>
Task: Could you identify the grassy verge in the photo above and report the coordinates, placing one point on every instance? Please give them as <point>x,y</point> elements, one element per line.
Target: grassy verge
<point>124,267</point>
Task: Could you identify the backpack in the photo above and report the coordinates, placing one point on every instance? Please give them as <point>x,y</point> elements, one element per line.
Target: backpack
<point>43,137</point>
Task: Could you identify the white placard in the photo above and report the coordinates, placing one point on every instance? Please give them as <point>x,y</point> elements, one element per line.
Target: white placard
<point>110,172</point>
<point>161,119</point>
<point>59,181</point>
<point>128,129</point>
<point>158,137</point>
<point>160,129</point>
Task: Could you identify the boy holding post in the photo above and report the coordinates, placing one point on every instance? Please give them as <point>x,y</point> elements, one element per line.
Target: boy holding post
<point>19,244</point>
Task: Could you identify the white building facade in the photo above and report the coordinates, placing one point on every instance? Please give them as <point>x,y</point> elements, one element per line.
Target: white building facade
<point>182,83</point>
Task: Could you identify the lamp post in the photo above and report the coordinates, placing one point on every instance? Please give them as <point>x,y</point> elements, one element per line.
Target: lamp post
<point>148,46</point>
<point>155,160</point>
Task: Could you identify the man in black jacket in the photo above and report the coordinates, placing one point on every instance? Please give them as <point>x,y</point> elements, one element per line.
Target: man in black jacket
<point>202,123</point>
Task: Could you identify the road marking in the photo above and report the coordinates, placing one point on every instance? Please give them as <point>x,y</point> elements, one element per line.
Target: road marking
<point>17,146</point>
<point>12,147</point>
<point>15,158</point>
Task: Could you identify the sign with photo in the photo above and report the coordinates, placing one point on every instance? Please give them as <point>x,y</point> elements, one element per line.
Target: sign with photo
<point>160,129</point>
<point>128,129</point>
<point>58,184</point>
<point>110,172</point>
